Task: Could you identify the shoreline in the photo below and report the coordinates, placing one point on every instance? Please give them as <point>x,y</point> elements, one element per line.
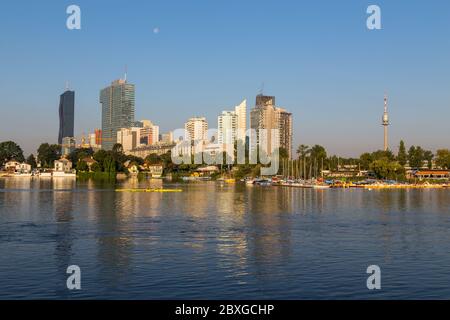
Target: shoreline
<point>375,186</point>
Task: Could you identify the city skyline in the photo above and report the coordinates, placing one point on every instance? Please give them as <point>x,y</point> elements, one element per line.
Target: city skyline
<point>331,73</point>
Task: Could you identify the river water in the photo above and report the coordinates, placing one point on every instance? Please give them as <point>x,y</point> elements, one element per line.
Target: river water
<point>215,241</point>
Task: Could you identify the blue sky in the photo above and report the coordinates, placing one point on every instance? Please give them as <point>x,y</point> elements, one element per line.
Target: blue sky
<point>317,57</point>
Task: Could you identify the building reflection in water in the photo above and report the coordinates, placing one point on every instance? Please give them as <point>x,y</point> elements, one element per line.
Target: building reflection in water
<point>63,205</point>
<point>232,245</point>
<point>21,201</point>
<point>197,203</point>
<point>114,235</point>
<point>269,227</point>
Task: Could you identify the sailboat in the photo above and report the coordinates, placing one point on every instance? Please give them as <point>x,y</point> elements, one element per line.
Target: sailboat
<point>319,184</point>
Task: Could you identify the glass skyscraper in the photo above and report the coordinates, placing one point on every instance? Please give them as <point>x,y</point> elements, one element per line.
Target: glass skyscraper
<point>117,102</point>
<point>66,115</point>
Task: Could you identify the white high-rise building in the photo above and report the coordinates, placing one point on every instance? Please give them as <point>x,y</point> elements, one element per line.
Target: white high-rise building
<point>231,126</point>
<point>196,129</point>
<point>227,124</point>
<point>241,112</point>
<point>129,138</point>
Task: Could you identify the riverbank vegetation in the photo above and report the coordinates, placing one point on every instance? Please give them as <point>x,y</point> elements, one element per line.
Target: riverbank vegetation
<point>308,162</point>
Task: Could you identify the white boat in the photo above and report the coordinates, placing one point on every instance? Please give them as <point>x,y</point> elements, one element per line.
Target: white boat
<point>23,175</point>
<point>45,175</point>
<point>321,186</point>
<point>60,174</point>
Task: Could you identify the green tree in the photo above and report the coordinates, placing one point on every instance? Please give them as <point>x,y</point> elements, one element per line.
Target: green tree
<point>82,166</point>
<point>119,157</point>
<point>256,170</point>
<point>117,148</point>
<point>302,151</point>
<point>243,170</point>
<point>428,157</point>
<point>167,162</point>
<point>109,164</point>
<point>416,156</point>
<point>365,160</point>
<point>387,169</point>
<point>100,156</point>
<point>283,153</point>
<point>31,160</point>
<point>152,159</point>
<point>317,157</point>
<point>402,156</point>
<point>133,159</point>
<point>443,158</point>
<point>48,153</point>
<point>96,167</point>
<point>381,154</point>
<point>318,152</point>
<point>80,153</point>
<point>10,150</point>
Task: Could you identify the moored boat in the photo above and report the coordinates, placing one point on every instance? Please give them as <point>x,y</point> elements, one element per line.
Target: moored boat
<point>320,186</point>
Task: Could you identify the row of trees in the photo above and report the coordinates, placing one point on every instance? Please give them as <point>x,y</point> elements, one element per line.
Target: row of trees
<point>105,161</point>
<point>416,156</point>
<point>11,151</point>
<point>384,164</point>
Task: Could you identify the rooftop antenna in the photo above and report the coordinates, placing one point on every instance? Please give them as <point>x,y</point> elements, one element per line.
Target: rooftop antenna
<point>67,85</point>
<point>261,91</point>
<point>126,71</point>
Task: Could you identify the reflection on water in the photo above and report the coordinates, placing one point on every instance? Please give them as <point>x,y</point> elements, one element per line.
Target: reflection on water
<point>220,241</point>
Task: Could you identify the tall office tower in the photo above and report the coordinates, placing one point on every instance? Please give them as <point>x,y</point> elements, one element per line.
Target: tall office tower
<point>196,129</point>
<point>117,110</point>
<point>66,115</point>
<point>265,115</point>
